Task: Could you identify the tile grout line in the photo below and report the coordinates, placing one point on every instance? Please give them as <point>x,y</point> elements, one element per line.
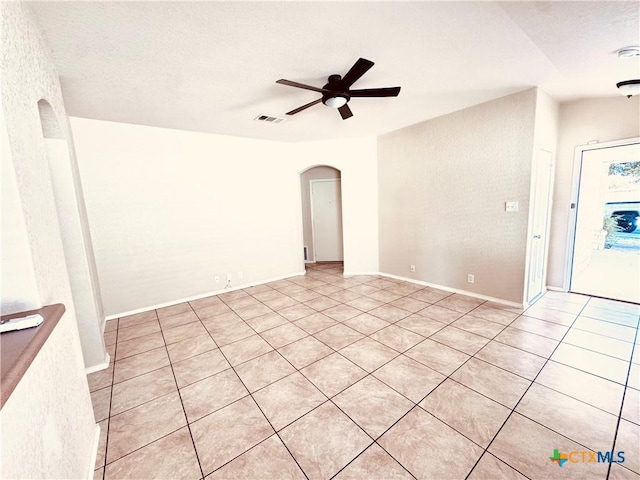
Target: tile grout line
<point>296,370</point>
<point>371,373</point>
<point>184,411</point>
<point>624,392</point>
<point>486,450</point>
<point>329,399</point>
<point>389,323</point>
<point>447,377</point>
<point>113,374</point>
<point>171,363</point>
<point>250,394</point>
<point>148,401</point>
<point>416,404</point>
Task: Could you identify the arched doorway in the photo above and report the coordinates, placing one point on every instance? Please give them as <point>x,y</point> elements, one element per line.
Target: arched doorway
<point>322,214</point>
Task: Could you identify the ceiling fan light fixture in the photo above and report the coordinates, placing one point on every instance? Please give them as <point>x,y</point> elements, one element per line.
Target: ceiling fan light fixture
<point>629,52</point>
<point>335,101</point>
<point>337,92</point>
<point>629,88</point>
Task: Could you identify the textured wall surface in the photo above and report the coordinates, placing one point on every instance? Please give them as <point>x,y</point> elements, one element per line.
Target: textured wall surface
<point>315,173</point>
<point>602,119</point>
<point>19,288</point>
<point>33,107</point>
<point>47,425</point>
<point>170,210</point>
<point>443,185</point>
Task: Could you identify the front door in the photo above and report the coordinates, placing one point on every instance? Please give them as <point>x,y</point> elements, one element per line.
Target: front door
<point>606,249</point>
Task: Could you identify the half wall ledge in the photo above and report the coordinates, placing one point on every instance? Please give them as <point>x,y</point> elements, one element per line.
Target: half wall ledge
<point>20,347</point>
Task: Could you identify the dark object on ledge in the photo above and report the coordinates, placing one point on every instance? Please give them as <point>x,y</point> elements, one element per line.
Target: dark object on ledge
<point>19,348</point>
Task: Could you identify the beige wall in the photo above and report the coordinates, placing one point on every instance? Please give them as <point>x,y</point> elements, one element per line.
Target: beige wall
<point>170,210</point>
<point>315,173</point>
<point>442,189</point>
<point>582,121</point>
<point>47,425</point>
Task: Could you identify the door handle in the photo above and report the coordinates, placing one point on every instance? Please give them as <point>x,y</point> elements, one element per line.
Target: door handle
<point>537,236</point>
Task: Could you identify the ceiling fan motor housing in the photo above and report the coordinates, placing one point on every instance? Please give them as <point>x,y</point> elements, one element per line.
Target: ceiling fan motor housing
<point>335,92</point>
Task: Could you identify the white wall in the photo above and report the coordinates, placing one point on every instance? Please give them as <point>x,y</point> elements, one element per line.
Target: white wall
<point>170,210</point>
<point>442,189</point>
<point>315,173</point>
<point>20,283</point>
<point>19,288</point>
<point>546,123</point>
<point>582,121</point>
<point>47,425</point>
<point>84,289</point>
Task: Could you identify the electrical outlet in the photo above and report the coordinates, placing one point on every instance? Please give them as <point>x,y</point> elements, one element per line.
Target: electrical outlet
<point>412,268</point>
<point>471,278</point>
<point>217,278</point>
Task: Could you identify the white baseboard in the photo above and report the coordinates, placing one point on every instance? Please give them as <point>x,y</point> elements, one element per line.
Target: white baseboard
<point>455,290</point>
<point>100,366</point>
<point>94,452</point>
<point>355,274</point>
<point>203,295</point>
<point>556,289</point>
<point>297,274</point>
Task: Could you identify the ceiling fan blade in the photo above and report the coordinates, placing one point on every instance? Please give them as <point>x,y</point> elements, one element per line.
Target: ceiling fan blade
<point>345,111</point>
<point>282,81</point>
<point>304,107</point>
<point>375,92</point>
<point>359,68</point>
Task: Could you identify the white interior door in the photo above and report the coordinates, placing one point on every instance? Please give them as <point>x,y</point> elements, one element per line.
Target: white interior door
<point>326,213</point>
<point>606,249</point>
<point>543,176</point>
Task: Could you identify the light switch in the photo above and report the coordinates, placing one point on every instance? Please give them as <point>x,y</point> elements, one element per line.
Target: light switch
<point>511,207</point>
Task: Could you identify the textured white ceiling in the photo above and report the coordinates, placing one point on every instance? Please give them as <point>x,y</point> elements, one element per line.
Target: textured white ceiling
<point>212,66</point>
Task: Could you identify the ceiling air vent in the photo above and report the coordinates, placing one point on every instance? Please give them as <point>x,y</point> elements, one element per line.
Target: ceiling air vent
<point>269,118</point>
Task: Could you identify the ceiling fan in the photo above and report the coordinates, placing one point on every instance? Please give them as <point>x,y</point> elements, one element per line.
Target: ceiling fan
<point>336,93</point>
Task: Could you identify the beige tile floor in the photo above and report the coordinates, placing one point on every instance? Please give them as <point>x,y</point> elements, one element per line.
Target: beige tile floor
<point>367,377</point>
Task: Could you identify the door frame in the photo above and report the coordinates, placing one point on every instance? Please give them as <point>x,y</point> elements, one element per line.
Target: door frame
<point>313,231</point>
<point>550,168</point>
<point>575,197</point>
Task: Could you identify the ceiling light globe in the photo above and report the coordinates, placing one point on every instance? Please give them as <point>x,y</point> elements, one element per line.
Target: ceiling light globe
<point>629,52</point>
<point>629,87</point>
<point>335,102</point>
